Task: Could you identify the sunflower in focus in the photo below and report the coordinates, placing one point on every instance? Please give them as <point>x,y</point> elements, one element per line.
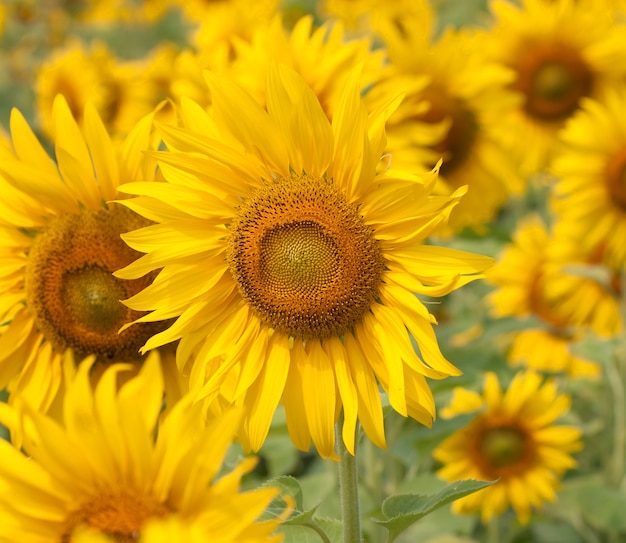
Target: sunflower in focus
<point>454,117</point>
<point>111,469</point>
<point>591,164</point>
<point>536,278</point>
<point>513,437</point>
<point>292,265</point>
<point>561,52</point>
<point>59,249</point>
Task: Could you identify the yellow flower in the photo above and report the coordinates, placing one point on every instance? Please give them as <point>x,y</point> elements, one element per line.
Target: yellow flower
<point>322,56</point>
<point>454,116</point>
<point>95,75</point>
<point>110,469</point>
<point>561,51</point>
<point>223,23</point>
<point>291,264</point>
<point>591,195</point>
<point>512,438</point>
<point>539,276</point>
<point>60,243</point>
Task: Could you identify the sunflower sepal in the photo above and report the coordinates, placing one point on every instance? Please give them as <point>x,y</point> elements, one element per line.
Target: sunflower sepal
<point>403,510</point>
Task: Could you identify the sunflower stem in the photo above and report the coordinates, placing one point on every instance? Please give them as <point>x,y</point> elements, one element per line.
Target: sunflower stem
<point>348,487</point>
<point>614,373</point>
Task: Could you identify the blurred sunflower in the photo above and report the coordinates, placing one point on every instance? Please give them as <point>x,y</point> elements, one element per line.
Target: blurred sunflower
<point>453,117</point>
<point>591,194</point>
<point>513,438</point>
<point>60,243</point>
<point>223,22</point>
<point>111,469</point>
<point>561,51</point>
<point>93,74</point>
<point>535,278</point>
<point>322,56</point>
<point>291,264</point>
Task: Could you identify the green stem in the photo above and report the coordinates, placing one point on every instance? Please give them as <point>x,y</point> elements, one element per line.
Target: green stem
<point>493,530</point>
<point>348,488</point>
<point>318,531</point>
<point>615,378</point>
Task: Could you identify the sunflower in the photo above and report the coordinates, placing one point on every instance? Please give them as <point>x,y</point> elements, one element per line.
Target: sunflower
<point>591,195</point>
<point>322,56</point>
<point>454,117</point>
<point>93,74</point>
<point>538,276</point>
<point>291,263</point>
<point>513,438</point>
<point>561,51</point>
<point>111,468</point>
<point>60,242</point>
<point>222,23</point>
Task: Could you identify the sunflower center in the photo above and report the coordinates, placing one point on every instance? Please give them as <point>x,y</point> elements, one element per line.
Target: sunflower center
<point>616,179</point>
<point>70,288</point>
<point>303,258</point>
<point>120,516</point>
<point>503,449</point>
<point>456,147</point>
<point>553,78</point>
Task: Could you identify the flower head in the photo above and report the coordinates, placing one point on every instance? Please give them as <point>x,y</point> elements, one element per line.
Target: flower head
<point>512,438</point>
<point>292,264</point>
<point>109,470</point>
<point>591,164</point>
<point>561,52</point>
<point>60,244</point>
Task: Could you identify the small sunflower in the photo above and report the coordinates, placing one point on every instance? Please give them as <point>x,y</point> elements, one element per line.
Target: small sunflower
<point>60,244</point>
<point>561,52</point>
<point>537,276</point>
<point>110,468</point>
<point>513,438</point>
<point>454,116</point>
<point>292,265</point>
<point>591,164</point>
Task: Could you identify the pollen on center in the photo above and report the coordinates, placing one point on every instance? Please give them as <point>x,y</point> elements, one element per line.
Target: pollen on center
<point>303,257</point>
<point>70,289</point>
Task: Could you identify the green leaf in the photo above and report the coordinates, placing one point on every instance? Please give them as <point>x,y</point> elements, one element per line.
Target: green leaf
<point>288,485</point>
<point>402,510</point>
<point>301,519</point>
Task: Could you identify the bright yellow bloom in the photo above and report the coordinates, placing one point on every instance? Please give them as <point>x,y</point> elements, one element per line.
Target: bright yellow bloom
<point>111,468</point>
<point>540,276</point>
<point>291,263</point>
<point>454,117</point>
<point>591,195</point>
<point>60,243</point>
<point>322,56</point>
<point>561,51</point>
<point>513,437</point>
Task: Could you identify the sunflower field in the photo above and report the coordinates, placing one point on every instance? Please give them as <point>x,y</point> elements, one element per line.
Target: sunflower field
<point>333,271</point>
